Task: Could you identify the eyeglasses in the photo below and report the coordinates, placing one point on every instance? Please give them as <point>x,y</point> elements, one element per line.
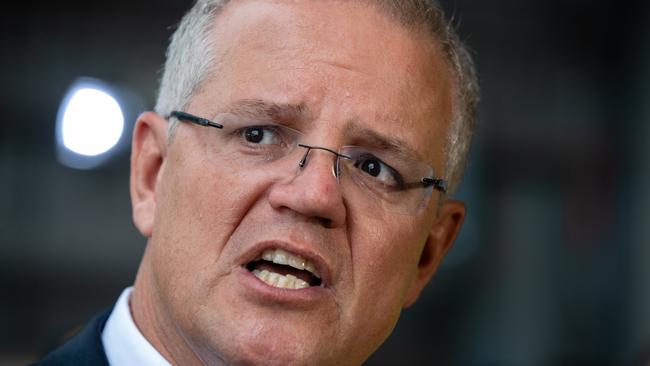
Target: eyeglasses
<point>378,178</point>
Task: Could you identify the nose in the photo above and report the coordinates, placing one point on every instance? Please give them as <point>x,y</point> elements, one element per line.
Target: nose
<point>313,191</point>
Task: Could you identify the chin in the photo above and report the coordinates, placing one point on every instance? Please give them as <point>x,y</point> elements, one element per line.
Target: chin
<point>258,342</point>
<point>277,351</point>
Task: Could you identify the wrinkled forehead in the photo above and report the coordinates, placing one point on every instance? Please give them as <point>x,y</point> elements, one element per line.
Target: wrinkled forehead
<point>343,61</point>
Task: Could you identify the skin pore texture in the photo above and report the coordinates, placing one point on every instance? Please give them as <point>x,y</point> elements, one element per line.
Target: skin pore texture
<point>349,67</point>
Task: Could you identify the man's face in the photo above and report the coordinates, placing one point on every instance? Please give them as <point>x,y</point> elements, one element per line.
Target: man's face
<point>351,69</point>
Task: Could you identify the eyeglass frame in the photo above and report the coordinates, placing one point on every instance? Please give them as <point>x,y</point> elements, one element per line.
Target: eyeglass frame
<point>424,182</point>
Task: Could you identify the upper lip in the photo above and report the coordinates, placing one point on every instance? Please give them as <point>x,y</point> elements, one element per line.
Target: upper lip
<point>304,251</point>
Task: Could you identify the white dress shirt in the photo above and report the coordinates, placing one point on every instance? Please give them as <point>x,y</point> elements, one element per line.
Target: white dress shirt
<point>123,343</point>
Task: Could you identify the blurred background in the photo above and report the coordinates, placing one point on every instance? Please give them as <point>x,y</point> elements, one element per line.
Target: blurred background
<point>551,268</point>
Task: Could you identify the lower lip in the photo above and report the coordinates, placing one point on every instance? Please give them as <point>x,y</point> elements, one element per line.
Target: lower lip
<point>261,292</point>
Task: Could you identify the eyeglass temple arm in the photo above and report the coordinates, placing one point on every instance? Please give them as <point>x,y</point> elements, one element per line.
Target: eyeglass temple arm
<point>182,116</point>
<point>438,184</point>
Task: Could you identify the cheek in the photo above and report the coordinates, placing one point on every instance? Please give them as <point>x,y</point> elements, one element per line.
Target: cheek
<point>204,191</point>
<point>199,205</point>
<point>387,251</point>
<point>385,256</point>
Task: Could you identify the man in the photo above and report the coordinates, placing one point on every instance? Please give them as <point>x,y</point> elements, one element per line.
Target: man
<point>291,184</point>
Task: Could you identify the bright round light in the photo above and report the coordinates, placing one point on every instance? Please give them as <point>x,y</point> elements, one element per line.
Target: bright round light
<point>92,122</point>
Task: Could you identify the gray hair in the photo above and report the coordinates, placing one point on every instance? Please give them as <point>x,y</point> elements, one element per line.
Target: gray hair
<point>190,58</point>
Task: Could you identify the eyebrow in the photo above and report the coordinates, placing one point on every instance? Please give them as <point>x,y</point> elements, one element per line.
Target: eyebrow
<point>371,138</point>
<point>258,108</point>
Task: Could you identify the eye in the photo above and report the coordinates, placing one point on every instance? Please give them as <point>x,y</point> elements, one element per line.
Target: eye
<point>374,167</point>
<point>262,135</point>
<point>371,166</point>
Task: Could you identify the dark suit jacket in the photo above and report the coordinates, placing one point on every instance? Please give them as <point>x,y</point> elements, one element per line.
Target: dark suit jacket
<point>85,348</point>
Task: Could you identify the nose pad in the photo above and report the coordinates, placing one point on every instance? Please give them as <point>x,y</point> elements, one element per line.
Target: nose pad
<point>303,161</point>
<point>336,169</point>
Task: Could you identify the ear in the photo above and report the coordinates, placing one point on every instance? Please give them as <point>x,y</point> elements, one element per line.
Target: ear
<point>147,156</point>
<point>441,238</point>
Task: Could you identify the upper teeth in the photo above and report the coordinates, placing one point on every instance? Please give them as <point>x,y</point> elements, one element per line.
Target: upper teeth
<point>280,256</point>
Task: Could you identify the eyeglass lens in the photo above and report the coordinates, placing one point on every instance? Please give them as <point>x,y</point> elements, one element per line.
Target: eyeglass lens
<point>374,179</point>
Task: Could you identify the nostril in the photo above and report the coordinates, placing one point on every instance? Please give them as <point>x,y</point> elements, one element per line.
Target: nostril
<point>325,222</point>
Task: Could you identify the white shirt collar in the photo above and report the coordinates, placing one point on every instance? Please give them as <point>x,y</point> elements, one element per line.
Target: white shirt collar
<point>123,343</point>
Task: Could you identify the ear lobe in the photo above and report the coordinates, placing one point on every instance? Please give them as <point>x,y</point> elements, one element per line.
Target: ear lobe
<point>441,238</point>
<point>147,157</point>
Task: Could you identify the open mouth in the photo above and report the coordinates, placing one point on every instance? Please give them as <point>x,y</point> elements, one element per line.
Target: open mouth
<point>279,268</point>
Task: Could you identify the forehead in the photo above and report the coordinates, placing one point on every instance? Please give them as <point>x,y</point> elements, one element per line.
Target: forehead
<point>345,62</point>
